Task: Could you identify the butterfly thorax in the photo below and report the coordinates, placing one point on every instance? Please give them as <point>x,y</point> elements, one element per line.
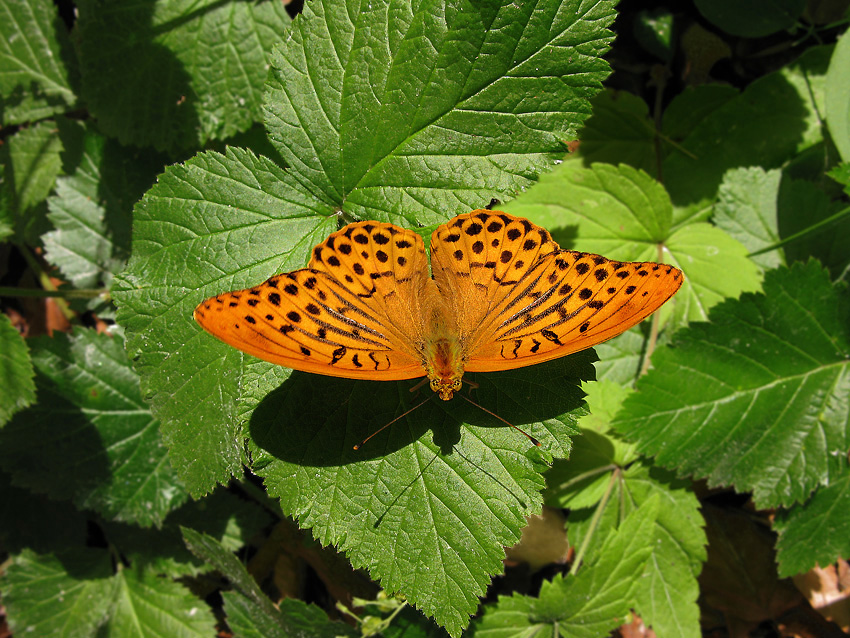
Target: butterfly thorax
<point>444,366</point>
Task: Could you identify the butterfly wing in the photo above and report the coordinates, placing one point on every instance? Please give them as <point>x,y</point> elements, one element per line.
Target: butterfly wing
<point>353,312</point>
<point>527,301</point>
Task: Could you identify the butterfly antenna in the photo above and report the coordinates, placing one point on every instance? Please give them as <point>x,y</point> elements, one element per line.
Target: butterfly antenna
<point>520,430</point>
<point>400,416</point>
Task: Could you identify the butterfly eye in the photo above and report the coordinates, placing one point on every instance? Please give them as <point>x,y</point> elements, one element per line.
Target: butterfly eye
<point>435,385</point>
<point>456,384</point>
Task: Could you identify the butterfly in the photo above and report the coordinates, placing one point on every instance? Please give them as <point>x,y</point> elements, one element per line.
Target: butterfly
<point>501,294</point>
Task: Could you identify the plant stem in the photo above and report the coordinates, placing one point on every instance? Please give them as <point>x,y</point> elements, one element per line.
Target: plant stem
<point>594,522</point>
<point>8,291</point>
<point>815,228</point>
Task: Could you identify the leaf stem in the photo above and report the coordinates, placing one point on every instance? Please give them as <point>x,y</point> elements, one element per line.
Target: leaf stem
<point>8,291</point>
<point>594,522</point>
<point>814,228</point>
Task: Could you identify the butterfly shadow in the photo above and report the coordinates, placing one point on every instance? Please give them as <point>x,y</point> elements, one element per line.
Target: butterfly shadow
<point>312,420</point>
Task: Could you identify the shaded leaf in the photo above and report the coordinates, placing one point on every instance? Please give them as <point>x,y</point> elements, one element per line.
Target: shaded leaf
<point>17,389</point>
<point>90,437</point>
<point>816,533</point>
<point>36,62</point>
<point>188,71</point>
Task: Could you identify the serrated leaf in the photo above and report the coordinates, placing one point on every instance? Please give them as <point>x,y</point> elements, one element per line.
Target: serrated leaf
<point>219,222</point>
<point>246,219</point>
<point>758,398</point>
<point>65,595</point>
<point>746,208</point>
<point>295,618</point>
<point>147,605</point>
<point>624,214</point>
<point>427,514</point>
<point>189,71</point>
<point>816,533</point>
<point>35,62</point>
<point>231,521</point>
<point>17,389</point>
<point>601,462</point>
<point>761,208</point>
<point>716,267</point>
<point>32,163</point>
<point>586,605</point>
<point>415,113</point>
<point>90,437</point>
<point>838,97</point>
<point>92,208</point>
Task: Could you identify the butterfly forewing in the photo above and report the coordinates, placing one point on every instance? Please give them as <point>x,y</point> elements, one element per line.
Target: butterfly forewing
<point>352,313</point>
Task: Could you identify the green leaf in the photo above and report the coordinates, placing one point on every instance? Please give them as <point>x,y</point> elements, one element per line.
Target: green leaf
<point>90,437</point>
<point>17,389</point>
<point>252,220</point>
<point>295,618</point>
<point>230,520</point>
<point>583,480</point>
<point>758,398</point>
<point>36,62</point>
<point>764,125</point>
<point>817,533</point>
<point>415,113</point>
<point>620,358</point>
<point>147,605</point>
<point>654,30</point>
<point>589,604</point>
<point>619,132</point>
<point>838,97</point>
<point>808,75</point>
<point>624,214</point>
<point>92,209</point>
<point>188,71</point>
<point>222,559</point>
<point>601,462</point>
<point>753,19</point>
<point>427,514</point>
<point>58,595</point>
<point>746,208</point>
<point>250,612</point>
<point>762,208</point>
<point>32,163</point>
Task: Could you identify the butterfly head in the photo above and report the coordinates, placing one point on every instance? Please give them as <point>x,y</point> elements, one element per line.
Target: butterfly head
<point>445,387</point>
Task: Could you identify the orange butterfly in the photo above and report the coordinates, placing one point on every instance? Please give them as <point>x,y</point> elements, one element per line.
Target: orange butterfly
<point>503,295</point>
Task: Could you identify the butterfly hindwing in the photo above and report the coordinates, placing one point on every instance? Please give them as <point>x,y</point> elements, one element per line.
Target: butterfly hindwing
<point>567,302</point>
